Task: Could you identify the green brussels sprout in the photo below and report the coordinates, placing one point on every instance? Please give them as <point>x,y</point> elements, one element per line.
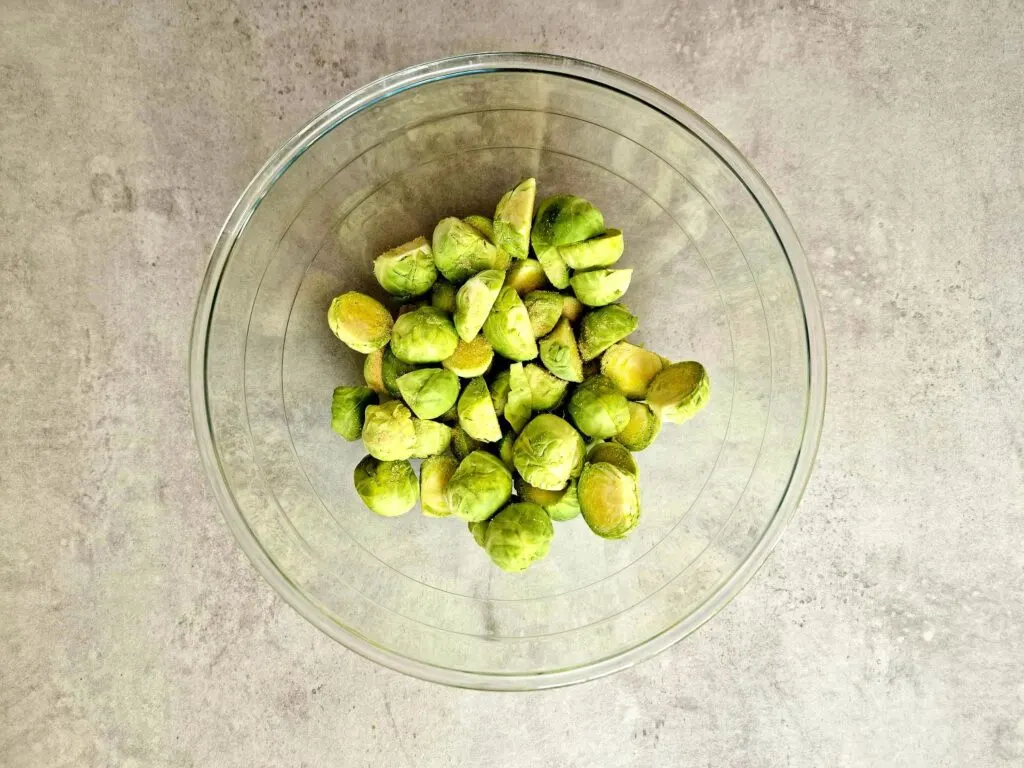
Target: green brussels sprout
<point>476,412</point>
<point>567,507</point>
<point>615,454</point>
<point>406,271</point>
<point>508,328</point>
<point>462,443</point>
<point>429,391</point>
<point>435,472</point>
<point>391,370</point>
<point>518,536</point>
<point>348,409</point>
<point>470,358</point>
<point>562,220</point>
<point>560,353</point>
<point>481,224</point>
<point>547,451</point>
<point>546,391</point>
<point>474,300</point>
<point>363,323</point>
<point>598,409</point>
<point>601,251</point>
<point>373,370</point>
<point>641,429</point>
<point>631,368</point>
<point>499,390</point>
<point>560,505</point>
<point>505,449</point>
<point>572,308</point>
<point>512,219</point>
<point>388,432</point>
<point>387,488</point>
<point>460,250</point>
<point>432,438</point>
<point>609,500</point>
<point>526,276</point>
<point>479,487</point>
<point>545,309</point>
<point>603,327</point>
<point>554,268</point>
<point>598,287</point>
<point>424,336</point>
<point>679,391</point>
<point>442,296</point>
<point>519,403</point>
<point>478,529</point>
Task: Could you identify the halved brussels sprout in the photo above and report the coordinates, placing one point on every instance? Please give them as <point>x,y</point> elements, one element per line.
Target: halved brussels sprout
<point>387,488</point>
<point>572,308</point>
<point>479,487</point>
<point>348,409</point>
<point>461,250</point>
<point>424,336</point>
<point>429,391</point>
<point>519,402</point>
<point>373,370</point>
<point>481,224</point>
<point>476,412</point>
<point>508,328</point>
<point>462,444</point>
<point>478,529</point>
<point>547,451</point>
<point>432,438</point>
<point>388,432</point>
<point>499,390</point>
<point>603,327</point>
<point>641,429</point>
<point>560,505</point>
<point>631,368</point>
<point>526,276</point>
<point>679,391</point>
<point>560,353</point>
<point>442,296</point>
<point>518,536</point>
<point>598,287</point>
<point>362,322</point>
<point>546,391</point>
<point>505,449</point>
<point>474,300</point>
<point>615,454</point>
<point>471,358</point>
<point>609,500</point>
<point>545,309</point>
<point>601,251</point>
<point>406,271</point>
<point>562,220</point>
<point>554,268</point>
<point>435,472</point>
<point>598,409</point>
<point>512,219</point>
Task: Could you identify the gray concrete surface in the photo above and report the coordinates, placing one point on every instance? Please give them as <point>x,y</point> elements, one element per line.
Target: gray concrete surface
<point>885,630</point>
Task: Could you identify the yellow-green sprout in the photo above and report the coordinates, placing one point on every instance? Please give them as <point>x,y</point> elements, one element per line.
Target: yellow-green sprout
<point>598,287</point>
<point>461,250</point>
<point>481,224</point>
<point>387,488</point>
<point>560,505</point>
<point>601,251</point>
<point>562,220</point>
<point>429,391</point>
<point>547,451</point>
<point>479,487</point>
<point>546,391</point>
<point>603,327</point>
<point>406,271</point>
<point>518,536</point>
<point>631,368</point>
<point>478,529</point>
<point>560,353</point>
<point>526,276</point>
<point>679,391</point>
<point>362,322</point>
<point>641,429</point>
<point>609,500</point>
<point>442,296</point>
<point>476,412</point>
<point>462,444</point>
<point>432,438</point>
<point>508,328</point>
<point>470,358</point>
<point>474,300</point>
<point>499,390</point>
<point>373,370</point>
<point>388,432</point>
<point>348,409</point>
<point>572,308</point>
<point>512,219</point>
<point>545,309</point>
<point>519,401</point>
<point>615,454</point>
<point>435,472</point>
<point>424,336</point>
<point>598,409</point>
<point>505,449</point>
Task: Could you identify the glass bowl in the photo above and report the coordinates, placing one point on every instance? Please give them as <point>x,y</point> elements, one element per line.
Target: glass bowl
<point>720,278</point>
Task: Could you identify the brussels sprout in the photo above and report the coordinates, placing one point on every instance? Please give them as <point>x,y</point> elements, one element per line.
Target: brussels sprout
<point>478,529</point>
<point>598,409</point>
<point>348,408</point>
<point>388,432</point>
<point>429,391</point>
<point>554,268</point>
<point>424,336</point>
<point>560,354</point>
<point>385,370</point>
<point>679,391</point>
<point>460,250</point>
<point>432,438</point>
<point>567,507</point>
<point>560,221</point>
<point>518,536</point>
<point>512,219</point>
<point>546,391</point>
<point>505,449</point>
<point>631,368</point>
<point>481,224</point>
<point>609,500</point>
<point>508,328</point>
<point>603,327</point>
<point>560,505</point>
<point>363,323</point>
<point>615,454</point>
<point>388,488</point>
<point>526,276</point>
<point>499,390</point>
<point>545,309</point>
<point>547,451</point>
<point>474,300</point>
<point>519,403</point>
<point>406,271</point>
<point>601,251</point>
<point>470,358</point>
<point>479,487</point>
<point>463,444</point>
<point>641,429</point>
<point>572,308</point>
<point>435,472</point>
<point>600,286</point>
<point>442,296</point>
<point>476,412</point>
<point>373,370</point>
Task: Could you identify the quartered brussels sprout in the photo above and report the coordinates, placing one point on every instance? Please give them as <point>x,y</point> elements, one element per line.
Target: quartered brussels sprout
<point>560,353</point>
<point>598,409</point>
<point>526,276</point>
<point>476,412</point>
<point>505,449</point>
<point>512,219</point>
<point>474,300</point>
<point>631,368</point>
<point>603,327</point>
<point>432,438</point>
<point>508,327</point>
<point>479,487</point>
<point>572,308</point>
<point>435,472</point>
<point>424,336</point>
<point>348,408</point>
<point>615,454</point>
<point>679,391</point>
<point>406,271</point>
<point>429,391</point>
<point>519,402</point>
<point>363,323</point>
<point>562,220</point>
<point>545,309</point>
<point>471,358</point>
<point>598,287</point>
<point>499,390</point>
<point>462,444</point>
<point>546,391</point>
<point>518,536</point>
<point>641,429</point>
<point>481,224</point>
<point>388,488</point>
<point>554,268</point>
<point>442,296</point>
<point>601,251</point>
<point>547,451</point>
<point>609,500</point>
<point>461,250</point>
<point>560,505</point>
<point>388,432</point>
<point>478,530</point>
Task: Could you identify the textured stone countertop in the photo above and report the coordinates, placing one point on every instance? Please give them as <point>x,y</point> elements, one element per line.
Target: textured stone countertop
<point>887,627</point>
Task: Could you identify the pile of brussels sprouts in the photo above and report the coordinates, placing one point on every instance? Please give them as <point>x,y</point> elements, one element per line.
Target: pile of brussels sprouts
<point>510,376</point>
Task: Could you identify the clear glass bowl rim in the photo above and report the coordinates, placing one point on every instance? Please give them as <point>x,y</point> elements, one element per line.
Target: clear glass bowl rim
<point>482,63</point>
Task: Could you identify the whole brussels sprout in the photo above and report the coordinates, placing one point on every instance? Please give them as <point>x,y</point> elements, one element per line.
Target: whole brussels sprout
<point>424,336</point>
<point>545,309</point>
<point>474,300</point>
<point>679,391</point>
<point>631,368</point>
<point>615,454</point>
<point>442,296</point>
<point>572,308</point>
<point>479,487</point>
<point>463,444</point>
<point>601,251</point>
<point>562,220</point>
<point>546,391</point>
<point>388,432</point>
<point>470,359</point>
<point>598,409</point>
<point>508,328</point>
<point>429,391</point>
<point>435,472</point>
<point>567,507</point>
<point>512,219</point>
<point>432,438</point>
<point>505,449</point>
<point>526,276</point>
<point>598,287</point>
<point>609,500</point>
<point>460,250</point>
<point>560,353</point>
<point>500,388</point>
<point>560,505</point>
<point>476,412</point>
<point>348,409</point>
<point>519,403</point>
<point>603,327</point>
<point>481,224</point>
<point>363,323</point>
<point>387,488</point>
<point>478,529</point>
<point>641,429</point>
<point>547,451</point>
<point>406,271</point>
<point>518,536</point>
